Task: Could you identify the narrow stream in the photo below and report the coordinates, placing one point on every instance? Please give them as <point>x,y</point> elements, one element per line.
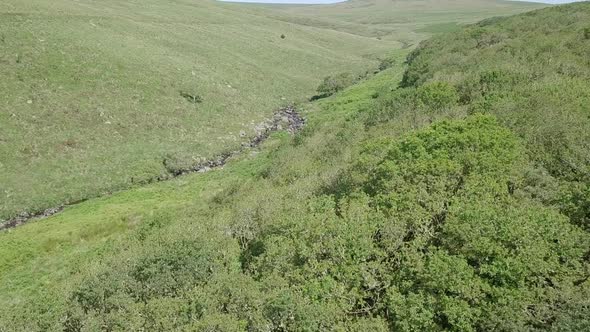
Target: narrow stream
<point>286,118</point>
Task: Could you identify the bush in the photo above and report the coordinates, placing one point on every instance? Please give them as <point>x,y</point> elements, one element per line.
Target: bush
<point>334,84</point>
<point>386,64</point>
<point>437,97</point>
<point>192,98</point>
<point>465,256</point>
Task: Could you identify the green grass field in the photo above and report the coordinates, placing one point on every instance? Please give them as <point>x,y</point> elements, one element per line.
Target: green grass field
<point>91,91</point>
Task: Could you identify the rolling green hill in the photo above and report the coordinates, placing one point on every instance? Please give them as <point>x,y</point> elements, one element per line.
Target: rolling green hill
<point>98,96</point>
<point>448,194</point>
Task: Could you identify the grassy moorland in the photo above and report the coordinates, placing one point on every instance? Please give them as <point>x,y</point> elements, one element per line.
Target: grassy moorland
<point>449,195</point>
<point>403,21</point>
<point>97,95</point>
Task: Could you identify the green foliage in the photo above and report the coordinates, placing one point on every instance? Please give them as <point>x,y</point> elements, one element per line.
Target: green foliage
<point>437,97</point>
<point>574,201</point>
<point>464,238</point>
<point>495,70</point>
<point>156,285</point>
<point>491,68</point>
<point>432,234</point>
<point>457,201</point>
<point>335,83</point>
<point>386,63</point>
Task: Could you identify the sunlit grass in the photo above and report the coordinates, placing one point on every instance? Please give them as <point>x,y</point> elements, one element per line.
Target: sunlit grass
<point>92,92</point>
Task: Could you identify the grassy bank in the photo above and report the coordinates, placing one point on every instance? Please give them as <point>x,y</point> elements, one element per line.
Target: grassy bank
<point>98,97</point>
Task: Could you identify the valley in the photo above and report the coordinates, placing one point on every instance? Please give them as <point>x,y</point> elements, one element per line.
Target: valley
<point>369,165</point>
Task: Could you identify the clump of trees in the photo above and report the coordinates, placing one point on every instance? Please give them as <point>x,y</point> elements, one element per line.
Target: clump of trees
<point>540,100</point>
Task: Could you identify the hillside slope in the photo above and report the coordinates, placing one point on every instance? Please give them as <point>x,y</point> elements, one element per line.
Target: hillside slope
<point>101,96</point>
<point>451,195</point>
<point>405,21</point>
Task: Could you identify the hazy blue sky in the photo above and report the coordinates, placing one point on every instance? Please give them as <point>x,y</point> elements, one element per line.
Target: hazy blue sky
<point>335,1</point>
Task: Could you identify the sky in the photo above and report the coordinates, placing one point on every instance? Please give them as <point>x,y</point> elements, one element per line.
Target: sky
<point>554,1</point>
<point>289,1</point>
<point>335,1</point>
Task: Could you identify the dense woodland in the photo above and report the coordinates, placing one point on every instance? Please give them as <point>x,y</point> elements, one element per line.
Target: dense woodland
<point>450,194</point>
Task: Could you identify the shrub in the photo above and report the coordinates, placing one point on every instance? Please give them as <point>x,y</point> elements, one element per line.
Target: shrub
<point>192,98</point>
<point>466,256</point>
<point>334,84</point>
<point>386,63</point>
<point>391,104</point>
<point>437,97</point>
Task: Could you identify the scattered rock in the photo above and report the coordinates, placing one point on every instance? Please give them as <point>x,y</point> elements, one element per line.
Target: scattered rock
<point>26,217</point>
<point>204,169</point>
<point>285,118</point>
